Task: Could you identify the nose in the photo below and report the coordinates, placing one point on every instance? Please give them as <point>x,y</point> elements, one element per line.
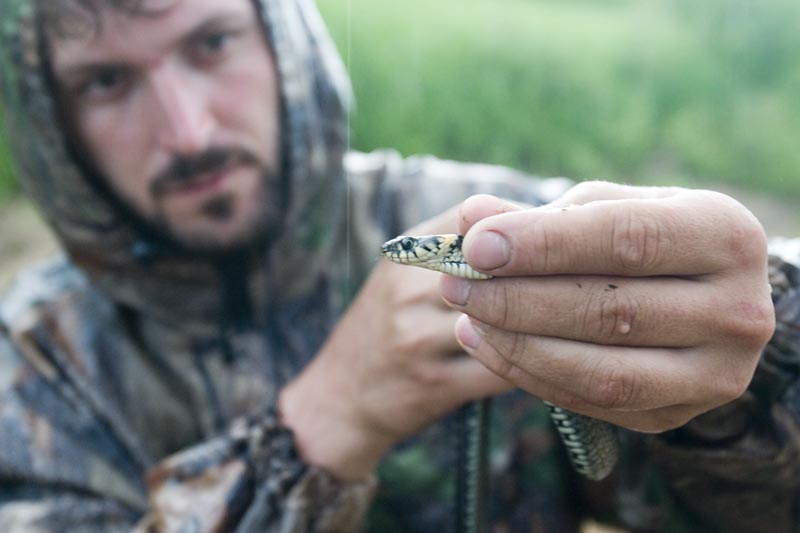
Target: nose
<point>184,119</point>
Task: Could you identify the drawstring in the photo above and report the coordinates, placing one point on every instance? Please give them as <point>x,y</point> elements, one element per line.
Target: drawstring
<point>234,317</point>
<point>236,313</point>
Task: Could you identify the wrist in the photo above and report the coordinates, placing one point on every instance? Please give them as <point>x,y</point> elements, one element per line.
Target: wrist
<point>327,431</point>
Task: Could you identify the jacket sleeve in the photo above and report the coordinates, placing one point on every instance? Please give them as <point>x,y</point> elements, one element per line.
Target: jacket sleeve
<point>735,468</point>
<point>63,469</point>
<point>398,192</point>
<point>251,480</point>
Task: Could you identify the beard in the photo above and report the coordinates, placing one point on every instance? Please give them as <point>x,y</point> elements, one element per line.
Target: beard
<point>226,221</point>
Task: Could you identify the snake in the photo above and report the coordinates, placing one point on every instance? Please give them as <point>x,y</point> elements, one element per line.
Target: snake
<point>591,444</point>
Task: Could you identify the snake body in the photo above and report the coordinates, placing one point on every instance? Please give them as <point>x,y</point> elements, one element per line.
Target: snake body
<point>591,444</point>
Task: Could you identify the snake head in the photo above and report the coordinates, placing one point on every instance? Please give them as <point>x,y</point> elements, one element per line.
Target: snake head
<point>441,253</point>
<point>418,250</point>
<point>400,248</point>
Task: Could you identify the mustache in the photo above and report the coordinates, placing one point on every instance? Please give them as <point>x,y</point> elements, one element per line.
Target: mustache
<point>184,169</point>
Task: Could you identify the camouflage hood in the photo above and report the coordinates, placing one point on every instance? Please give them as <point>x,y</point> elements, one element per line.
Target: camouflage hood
<point>145,274</point>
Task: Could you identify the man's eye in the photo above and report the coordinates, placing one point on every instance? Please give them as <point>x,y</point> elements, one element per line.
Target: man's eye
<point>212,46</point>
<point>216,41</point>
<point>107,79</point>
<point>104,84</point>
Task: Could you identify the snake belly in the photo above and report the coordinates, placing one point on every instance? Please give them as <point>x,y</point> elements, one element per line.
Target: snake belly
<point>591,444</point>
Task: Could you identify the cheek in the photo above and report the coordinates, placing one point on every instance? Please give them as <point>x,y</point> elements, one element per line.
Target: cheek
<point>251,106</point>
<point>119,145</point>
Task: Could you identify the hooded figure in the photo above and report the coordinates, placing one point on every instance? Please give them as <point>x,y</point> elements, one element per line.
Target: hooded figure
<point>131,348</point>
<point>138,377</point>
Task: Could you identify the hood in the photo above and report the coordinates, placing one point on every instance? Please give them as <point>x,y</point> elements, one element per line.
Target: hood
<point>157,279</point>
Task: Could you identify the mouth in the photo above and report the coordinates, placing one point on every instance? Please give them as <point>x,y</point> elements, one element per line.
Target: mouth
<point>199,183</point>
<point>204,182</point>
<point>202,173</point>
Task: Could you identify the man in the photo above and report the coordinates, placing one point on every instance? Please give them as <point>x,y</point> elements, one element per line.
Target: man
<point>195,361</point>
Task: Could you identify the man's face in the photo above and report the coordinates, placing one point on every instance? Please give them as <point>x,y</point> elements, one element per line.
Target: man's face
<point>178,108</point>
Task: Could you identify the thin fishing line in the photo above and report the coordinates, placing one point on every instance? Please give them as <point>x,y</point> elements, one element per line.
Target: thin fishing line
<point>348,137</point>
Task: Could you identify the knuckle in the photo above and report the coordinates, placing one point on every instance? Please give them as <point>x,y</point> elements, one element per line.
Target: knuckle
<point>587,191</point>
<point>547,250</point>
<point>510,308</point>
<point>748,326</point>
<point>607,313</point>
<point>408,336</point>
<point>430,376</point>
<point>401,329</point>
<point>498,365</point>
<point>499,355</point>
<point>637,241</point>
<point>747,243</point>
<point>612,385</point>
<point>517,350</point>
<point>402,287</point>
<point>732,385</point>
<point>744,239</point>
<point>503,307</point>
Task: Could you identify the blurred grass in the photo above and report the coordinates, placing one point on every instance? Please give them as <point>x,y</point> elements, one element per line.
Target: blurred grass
<point>7,183</point>
<point>639,91</point>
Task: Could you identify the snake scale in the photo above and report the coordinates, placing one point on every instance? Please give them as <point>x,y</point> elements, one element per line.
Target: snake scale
<point>591,444</point>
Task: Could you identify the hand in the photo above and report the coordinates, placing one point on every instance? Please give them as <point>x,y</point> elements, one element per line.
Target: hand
<point>644,307</point>
<point>391,367</point>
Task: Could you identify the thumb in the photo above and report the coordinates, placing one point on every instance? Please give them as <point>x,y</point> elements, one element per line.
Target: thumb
<point>480,206</point>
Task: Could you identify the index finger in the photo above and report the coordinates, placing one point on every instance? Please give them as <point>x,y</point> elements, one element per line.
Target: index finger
<point>687,234</point>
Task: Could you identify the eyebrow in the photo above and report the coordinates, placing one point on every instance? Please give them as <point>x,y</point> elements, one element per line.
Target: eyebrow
<point>211,24</point>
<point>81,69</point>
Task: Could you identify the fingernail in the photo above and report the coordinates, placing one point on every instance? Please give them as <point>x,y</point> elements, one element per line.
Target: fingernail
<point>489,250</point>
<point>468,333</point>
<point>455,290</point>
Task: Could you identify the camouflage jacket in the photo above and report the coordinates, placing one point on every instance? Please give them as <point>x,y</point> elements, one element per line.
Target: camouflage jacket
<point>137,382</point>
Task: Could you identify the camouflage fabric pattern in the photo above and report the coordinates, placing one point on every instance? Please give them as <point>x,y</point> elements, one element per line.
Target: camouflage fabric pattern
<point>137,385</point>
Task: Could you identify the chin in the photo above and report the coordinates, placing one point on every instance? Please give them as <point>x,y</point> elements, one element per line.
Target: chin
<point>215,237</point>
<point>214,242</point>
<point>222,223</point>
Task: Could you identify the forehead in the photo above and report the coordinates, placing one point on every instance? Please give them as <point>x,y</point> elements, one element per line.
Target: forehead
<point>143,35</point>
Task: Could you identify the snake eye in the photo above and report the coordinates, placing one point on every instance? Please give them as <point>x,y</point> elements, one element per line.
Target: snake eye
<point>408,243</point>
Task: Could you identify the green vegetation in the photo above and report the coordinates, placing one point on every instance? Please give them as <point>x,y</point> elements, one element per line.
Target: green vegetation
<point>7,183</point>
<point>666,91</point>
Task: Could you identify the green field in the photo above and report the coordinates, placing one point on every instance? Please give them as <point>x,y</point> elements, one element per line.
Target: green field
<point>7,184</point>
<point>666,91</point>
<point>639,91</point>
